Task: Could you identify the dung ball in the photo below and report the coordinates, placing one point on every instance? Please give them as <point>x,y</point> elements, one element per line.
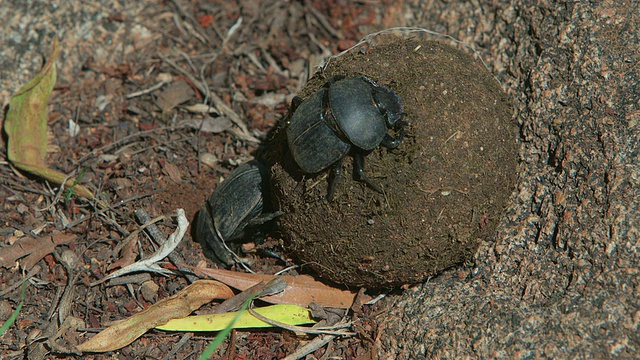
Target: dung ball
<point>443,189</point>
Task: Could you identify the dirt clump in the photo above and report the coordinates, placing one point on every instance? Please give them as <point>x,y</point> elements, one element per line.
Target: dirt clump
<point>444,187</point>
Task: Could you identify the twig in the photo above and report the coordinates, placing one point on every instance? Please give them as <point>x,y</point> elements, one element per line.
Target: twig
<point>57,195</point>
<point>33,272</point>
<point>149,264</point>
<point>232,30</point>
<point>155,233</point>
<point>130,279</point>
<point>306,330</point>
<point>310,347</point>
<point>324,22</point>
<point>125,139</point>
<point>187,15</point>
<point>146,91</point>
<point>260,289</point>
<point>235,256</point>
<point>174,349</point>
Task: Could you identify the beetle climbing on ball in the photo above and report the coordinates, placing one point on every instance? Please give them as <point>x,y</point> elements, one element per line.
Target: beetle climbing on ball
<point>346,116</point>
<point>235,210</point>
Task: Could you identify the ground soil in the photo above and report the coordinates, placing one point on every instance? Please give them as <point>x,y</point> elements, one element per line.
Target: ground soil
<point>560,278</point>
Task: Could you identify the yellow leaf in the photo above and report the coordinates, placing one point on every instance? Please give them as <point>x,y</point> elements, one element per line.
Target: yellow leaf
<point>26,121</point>
<point>26,126</point>
<point>284,313</point>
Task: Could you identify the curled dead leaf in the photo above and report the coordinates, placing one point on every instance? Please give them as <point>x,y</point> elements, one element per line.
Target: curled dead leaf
<point>177,306</point>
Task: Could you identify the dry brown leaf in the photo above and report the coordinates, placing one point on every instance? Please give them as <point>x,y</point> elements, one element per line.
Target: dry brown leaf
<point>175,94</point>
<point>209,124</point>
<point>127,255</point>
<point>177,306</point>
<point>301,289</point>
<point>36,249</point>
<point>173,172</point>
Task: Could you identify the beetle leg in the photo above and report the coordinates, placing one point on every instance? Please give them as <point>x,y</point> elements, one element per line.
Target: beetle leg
<point>336,170</point>
<point>333,79</point>
<point>358,167</point>
<point>391,142</point>
<point>295,102</point>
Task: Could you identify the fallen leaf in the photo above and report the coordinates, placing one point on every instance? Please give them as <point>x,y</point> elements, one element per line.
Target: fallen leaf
<point>26,123</point>
<point>177,306</point>
<point>301,289</point>
<point>209,124</point>
<point>175,94</point>
<point>173,171</point>
<point>284,313</point>
<point>26,126</point>
<point>34,249</point>
<point>127,254</point>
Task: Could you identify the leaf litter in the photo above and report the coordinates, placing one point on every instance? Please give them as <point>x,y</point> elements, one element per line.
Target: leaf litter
<point>138,137</point>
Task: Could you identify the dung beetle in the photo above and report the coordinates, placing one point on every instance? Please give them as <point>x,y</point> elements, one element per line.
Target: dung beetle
<point>234,210</point>
<point>347,115</point>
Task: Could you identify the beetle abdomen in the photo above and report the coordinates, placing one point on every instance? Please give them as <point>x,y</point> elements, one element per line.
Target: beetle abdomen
<point>237,200</point>
<point>313,144</point>
<point>234,204</point>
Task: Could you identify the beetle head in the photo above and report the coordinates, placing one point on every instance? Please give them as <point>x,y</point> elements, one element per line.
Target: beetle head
<point>389,105</point>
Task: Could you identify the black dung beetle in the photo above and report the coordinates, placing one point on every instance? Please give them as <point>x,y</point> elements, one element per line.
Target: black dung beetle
<point>347,115</point>
<point>233,211</point>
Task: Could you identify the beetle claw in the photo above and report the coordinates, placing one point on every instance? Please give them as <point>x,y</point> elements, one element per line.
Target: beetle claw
<point>391,142</point>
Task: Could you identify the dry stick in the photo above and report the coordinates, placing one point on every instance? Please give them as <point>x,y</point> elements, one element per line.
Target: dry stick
<point>150,263</point>
<point>138,279</point>
<point>306,330</point>
<point>157,235</point>
<point>51,331</point>
<point>310,347</point>
<point>174,349</point>
<point>33,272</point>
<point>324,22</point>
<point>146,91</point>
<point>200,32</point>
<point>258,290</point>
<point>64,305</point>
